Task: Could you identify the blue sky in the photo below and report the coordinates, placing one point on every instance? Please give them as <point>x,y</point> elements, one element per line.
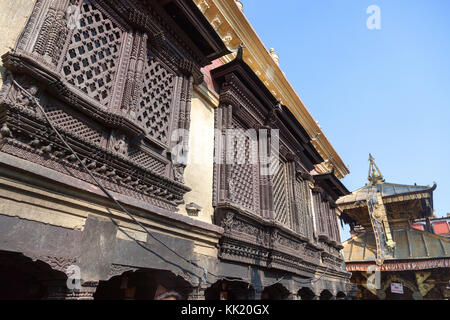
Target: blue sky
<point>381,91</point>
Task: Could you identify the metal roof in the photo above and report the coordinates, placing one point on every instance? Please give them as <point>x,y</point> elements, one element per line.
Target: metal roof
<point>386,189</point>
<point>411,244</point>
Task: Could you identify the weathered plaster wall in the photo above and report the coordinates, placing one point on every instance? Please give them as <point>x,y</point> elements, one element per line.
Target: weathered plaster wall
<point>198,174</point>
<point>199,171</point>
<point>65,209</point>
<point>13,15</point>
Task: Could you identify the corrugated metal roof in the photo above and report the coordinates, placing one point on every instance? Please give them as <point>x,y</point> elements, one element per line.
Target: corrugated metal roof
<point>411,244</point>
<point>386,189</point>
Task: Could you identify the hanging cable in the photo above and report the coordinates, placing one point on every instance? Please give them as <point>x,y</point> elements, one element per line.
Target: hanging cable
<point>205,272</point>
<point>106,192</point>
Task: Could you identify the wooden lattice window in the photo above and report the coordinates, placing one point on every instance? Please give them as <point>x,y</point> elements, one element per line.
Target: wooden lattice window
<point>328,220</point>
<point>92,57</point>
<point>318,209</point>
<point>116,78</point>
<point>241,183</point>
<point>303,204</point>
<point>62,119</point>
<point>155,102</point>
<point>334,225</point>
<point>280,195</point>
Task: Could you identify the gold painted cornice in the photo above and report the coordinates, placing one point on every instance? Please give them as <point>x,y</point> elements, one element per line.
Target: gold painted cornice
<point>234,28</point>
<point>387,200</point>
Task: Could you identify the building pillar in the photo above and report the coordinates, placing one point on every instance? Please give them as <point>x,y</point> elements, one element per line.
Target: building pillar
<point>316,295</point>
<point>417,296</point>
<point>381,294</point>
<point>85,293</point>
<point>257,294</point>
<point>197,294</point>
<point>58,290</point>
<point>292,296</point>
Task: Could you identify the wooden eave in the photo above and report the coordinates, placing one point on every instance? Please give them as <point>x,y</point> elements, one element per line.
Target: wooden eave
<point>390,199</point>
<point>246,75</point>
<point>331,184</point>
<point>291,126</point>
<point>204,32</point>
<point>234,28</point>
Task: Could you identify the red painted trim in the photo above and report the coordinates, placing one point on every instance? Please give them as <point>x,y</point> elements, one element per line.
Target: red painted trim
<point>402,266</point>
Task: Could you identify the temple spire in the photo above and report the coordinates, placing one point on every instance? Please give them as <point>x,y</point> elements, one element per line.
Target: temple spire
<point>375,176</point>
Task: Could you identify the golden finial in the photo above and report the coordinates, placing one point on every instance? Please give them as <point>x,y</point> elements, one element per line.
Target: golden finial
<point>375,176</point>
<point>240,5</point>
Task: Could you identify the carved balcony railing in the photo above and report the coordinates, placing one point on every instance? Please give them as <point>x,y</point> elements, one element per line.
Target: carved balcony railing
<point>116,79</point>
<point>268,218</point>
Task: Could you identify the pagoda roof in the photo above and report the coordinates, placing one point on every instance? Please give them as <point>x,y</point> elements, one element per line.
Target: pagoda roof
<point>386,189</point>
<point>414,249</point>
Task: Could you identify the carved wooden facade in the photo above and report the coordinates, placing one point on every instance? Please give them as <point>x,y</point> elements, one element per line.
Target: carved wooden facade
<point>116,80</point>
<point>268,219</point>
<point>327,226</point>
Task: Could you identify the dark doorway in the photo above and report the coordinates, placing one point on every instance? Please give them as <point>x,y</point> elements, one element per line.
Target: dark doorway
<point>306,294</point>
<point>341,296</point>
<point>21,278</point>
<point>144,285</point>
<point>229,290</point>
<point>275,292</point>
<point>326,295</point>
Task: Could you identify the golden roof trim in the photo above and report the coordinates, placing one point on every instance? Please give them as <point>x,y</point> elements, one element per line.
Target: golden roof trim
<point>388,199</point>
<point>234,28</point>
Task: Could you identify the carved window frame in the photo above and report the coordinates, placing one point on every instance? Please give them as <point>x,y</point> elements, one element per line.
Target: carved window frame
<point>122,156</point>
<point>325,209</point>
<point>226,119</point>
<point>238,104</point>
<point>255,236</point>
<point>304,204</point>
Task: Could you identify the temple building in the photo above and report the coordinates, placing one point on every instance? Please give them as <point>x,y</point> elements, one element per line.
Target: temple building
<point>394,253</point>
<point>115,122</point>
<point>438,226</point>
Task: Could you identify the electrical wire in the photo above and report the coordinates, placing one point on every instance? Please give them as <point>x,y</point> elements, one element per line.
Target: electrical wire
<point>107,193</point>
<point>34,99</point>
<point>122,208</point>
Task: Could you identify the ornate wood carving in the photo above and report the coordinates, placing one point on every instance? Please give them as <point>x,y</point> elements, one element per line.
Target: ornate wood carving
<point>118,270</point>
<point>116,86</point>
<point>303,205</point>
<point>267,218</point>
<point>93,56</point>
<point>328,229</point>
<point>280,195</point>
<point>256,241</point>
<point>61,264</point>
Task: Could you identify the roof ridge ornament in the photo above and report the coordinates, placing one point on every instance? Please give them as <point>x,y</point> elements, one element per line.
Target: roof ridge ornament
<point>240,5</point>
<point>375,176</point>
<point>275,56</point>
